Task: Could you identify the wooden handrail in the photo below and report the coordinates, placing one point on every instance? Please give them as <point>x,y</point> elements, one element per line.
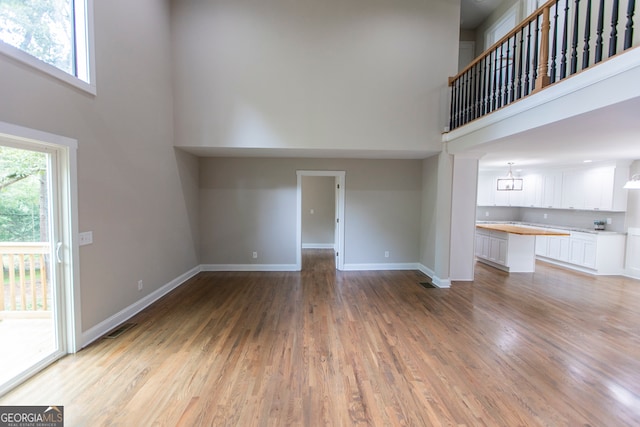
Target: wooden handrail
<point>542,50</point>
<point>529,19</point>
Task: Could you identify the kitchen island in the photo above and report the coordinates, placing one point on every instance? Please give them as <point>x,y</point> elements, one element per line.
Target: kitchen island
<point>509,247</point>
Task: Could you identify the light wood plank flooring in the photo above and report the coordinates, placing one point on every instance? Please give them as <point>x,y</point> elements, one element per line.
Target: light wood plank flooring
<point>550,348</point>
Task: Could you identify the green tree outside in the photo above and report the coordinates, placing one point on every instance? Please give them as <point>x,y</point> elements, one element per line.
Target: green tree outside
<point>23,216</point>
<point>42,28</point>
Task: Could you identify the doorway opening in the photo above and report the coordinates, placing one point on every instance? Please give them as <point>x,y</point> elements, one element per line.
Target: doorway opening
<point>37,320</point>
<point>320,214</point>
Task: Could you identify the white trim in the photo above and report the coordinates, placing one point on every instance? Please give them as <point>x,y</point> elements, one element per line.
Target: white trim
<point>34,369</point>
<point>437,281</point>
<point>65,149</point>
<point>122,316</point>
<point>469,135</point>
<point>51,70</point>
<point>339,244</point>
<point>33,136</point>
<point>249,267</point>
<point>632,264</point>
<point>509,17</point>
<point>318,246</point>
<point>381,266</point>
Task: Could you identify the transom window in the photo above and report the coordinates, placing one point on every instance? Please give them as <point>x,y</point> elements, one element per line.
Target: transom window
<point>55,32</point>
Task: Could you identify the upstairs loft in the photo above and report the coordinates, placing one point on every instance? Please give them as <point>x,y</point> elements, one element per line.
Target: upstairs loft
<point>571,65</point>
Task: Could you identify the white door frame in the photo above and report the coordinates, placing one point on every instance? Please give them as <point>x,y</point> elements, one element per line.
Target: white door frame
<point>63,149</point>
<point>340,192</point>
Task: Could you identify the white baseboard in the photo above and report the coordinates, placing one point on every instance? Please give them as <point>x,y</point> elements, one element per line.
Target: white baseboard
<point>437,281</point>
<point>122,316</point>
<point>318,246</point>
<point>381,266</point>
<point>248,267</point>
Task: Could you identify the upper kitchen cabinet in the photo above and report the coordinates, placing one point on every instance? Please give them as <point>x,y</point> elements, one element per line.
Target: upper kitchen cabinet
<point>587,188</point>
<point>488,194</point>
<point>551,189</point>
<point>598,188</point>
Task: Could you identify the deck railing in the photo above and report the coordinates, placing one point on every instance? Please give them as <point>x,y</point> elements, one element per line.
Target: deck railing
<point>558,40</point>
<point>24,277</point>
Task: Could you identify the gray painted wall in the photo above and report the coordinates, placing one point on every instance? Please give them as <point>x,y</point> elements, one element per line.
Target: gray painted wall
<point>135,191</point>
<point>564,217</point>
<point>356,75</point>
<point>318,210</point>
<point>249,204</point>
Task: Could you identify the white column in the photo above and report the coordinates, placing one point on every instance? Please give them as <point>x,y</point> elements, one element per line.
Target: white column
<point>463,216</point>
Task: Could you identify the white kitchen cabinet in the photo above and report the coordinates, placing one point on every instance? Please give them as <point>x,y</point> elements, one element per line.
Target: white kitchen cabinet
<point>551,190</point>
<point>582,249</point>
<point>482,244</point>
<point>491,245</point>
<point>588,188</point>
<point>541,245</point>
<point>488,194</point>
<point>498,249</point>
<point>573,190</point>
<point>596,253</point>
<point>532,188</point>
<point>486,189</point>
<point>598,188</point>
<point>506,251</point>
<point>558,247</point>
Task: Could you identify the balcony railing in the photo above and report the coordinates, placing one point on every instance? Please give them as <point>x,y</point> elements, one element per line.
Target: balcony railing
<point>23,276</point>
<point>558,40</point>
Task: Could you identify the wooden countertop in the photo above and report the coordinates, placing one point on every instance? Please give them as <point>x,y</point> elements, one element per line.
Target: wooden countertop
<point>525,231</point>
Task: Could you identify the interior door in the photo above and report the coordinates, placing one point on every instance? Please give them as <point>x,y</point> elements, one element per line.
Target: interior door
<point>31,328</point>
<point>336,223</point>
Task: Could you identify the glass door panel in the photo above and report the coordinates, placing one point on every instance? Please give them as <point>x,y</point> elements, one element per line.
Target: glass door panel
<point>29,327</point>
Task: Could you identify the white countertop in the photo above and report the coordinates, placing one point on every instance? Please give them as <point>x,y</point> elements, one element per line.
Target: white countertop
<point>552,226</point>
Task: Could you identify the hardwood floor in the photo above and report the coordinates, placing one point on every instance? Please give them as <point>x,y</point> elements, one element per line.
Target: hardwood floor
<point>322,347</point>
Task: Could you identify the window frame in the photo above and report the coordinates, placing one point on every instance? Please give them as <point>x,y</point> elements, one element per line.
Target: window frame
<point>83,53</point>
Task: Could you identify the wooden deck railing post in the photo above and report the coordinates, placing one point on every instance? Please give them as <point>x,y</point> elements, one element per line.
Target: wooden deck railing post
<point>543,65</point>
<point>27,276</point>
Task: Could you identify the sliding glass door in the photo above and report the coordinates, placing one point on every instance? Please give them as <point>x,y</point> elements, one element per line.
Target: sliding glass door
<point>31,326</point>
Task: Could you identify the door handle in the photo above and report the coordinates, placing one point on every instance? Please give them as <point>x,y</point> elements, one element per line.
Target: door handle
<point>58,248</point>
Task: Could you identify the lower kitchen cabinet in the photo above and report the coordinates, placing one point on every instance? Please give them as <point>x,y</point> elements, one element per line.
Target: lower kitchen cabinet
<point>601,253</point>
<point>556,247</point>
<point>506,251</point>
<point>583,249</point>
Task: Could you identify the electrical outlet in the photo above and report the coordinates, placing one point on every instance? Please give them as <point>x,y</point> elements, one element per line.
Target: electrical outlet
<point>386,254</point>
<point>85,238</point>
<point>486,213</point>
<point>609,221</point>
<point>255,255</point>
<point>140,285</point>
<point>545,216</point>
<point>311,211</point>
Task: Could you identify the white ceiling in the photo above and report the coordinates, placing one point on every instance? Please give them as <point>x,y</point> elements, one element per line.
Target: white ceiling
<point>611,133</point>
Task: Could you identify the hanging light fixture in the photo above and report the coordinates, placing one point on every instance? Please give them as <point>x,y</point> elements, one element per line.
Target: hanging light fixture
<point>633,183</point>
<point>509,183</point>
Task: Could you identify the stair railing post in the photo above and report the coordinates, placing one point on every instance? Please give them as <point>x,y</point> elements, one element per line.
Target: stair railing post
<point>543,65</point>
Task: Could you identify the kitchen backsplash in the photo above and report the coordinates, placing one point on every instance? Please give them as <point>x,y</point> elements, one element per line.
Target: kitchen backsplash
<point>565,217</point>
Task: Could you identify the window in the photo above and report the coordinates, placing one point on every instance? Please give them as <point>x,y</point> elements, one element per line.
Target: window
<point>56,32</point>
